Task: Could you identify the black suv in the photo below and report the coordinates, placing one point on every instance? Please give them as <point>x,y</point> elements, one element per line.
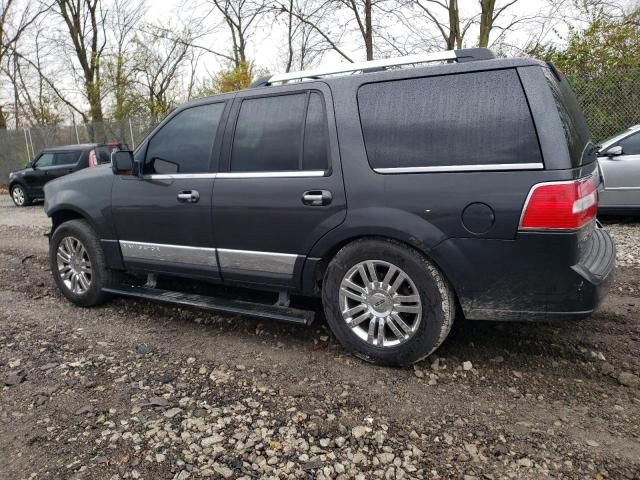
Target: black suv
<point>400,196</point>
<point>26,185</point>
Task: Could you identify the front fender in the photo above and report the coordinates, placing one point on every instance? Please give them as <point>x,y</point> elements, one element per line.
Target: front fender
<point>86,193</point>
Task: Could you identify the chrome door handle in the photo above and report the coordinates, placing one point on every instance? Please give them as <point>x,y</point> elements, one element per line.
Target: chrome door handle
<point>317,198</point>
<point>189,196</point>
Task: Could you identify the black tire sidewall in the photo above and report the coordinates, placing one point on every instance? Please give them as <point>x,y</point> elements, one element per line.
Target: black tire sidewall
<point>100,275</point>
<point>434,311</point>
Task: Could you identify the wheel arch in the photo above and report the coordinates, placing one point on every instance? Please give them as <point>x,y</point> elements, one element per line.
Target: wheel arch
<point>66,213</point>
<point>316,267</point>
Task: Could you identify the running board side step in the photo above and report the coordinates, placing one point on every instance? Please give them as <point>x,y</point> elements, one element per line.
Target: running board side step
<point>215,304</point>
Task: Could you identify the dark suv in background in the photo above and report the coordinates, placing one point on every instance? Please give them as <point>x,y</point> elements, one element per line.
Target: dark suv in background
<point>26,185</point>
<point>399,196</point>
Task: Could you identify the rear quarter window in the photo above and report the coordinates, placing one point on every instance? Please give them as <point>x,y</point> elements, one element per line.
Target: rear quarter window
<point>575,127</point>
<point>461,120</point>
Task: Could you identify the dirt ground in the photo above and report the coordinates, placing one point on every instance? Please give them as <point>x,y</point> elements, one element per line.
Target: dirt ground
<point>136,390</point>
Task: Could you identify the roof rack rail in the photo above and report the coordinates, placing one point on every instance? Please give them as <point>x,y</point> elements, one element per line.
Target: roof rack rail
<point>463,55</point>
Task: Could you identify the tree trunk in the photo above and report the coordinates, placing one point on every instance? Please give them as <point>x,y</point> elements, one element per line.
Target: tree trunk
<point>368,37</point>
<point>486,21</point>
<point>455,36</point>
<point>3,119</point>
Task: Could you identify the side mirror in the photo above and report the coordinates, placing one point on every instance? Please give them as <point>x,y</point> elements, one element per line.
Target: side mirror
<point>614,151</point>
<point>122,162</point>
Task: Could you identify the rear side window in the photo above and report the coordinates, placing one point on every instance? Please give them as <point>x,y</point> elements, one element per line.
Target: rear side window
<point>470,119</point>
<point>103,155</point>
<point>184,143</point>
<point>281,133</point>
<point>631,145</point>
<point>66,158</point>
<point>573,122</point>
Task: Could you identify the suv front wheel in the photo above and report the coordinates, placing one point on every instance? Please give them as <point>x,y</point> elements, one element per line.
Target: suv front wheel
<point>20,196</point>
<point>386,302</point>
<point>78,264</point>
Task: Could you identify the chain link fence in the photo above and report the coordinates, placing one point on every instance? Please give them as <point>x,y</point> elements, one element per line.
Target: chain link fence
<point>610,101</point>
<point>19,147</point>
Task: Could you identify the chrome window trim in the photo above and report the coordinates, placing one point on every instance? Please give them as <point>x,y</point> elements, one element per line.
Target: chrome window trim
<point>462,168</point>
<point>175,176</point>
<point>283,174</point>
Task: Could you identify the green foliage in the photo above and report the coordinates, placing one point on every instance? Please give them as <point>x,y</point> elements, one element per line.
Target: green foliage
<point>606,44</point>
<point>602,63</point>
<point>228,80</point>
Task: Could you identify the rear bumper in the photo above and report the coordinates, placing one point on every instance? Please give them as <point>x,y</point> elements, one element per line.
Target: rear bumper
<point>539,276</point>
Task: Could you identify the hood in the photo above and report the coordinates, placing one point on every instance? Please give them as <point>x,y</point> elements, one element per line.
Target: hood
<point>18,173</point>
<point>84,181</point>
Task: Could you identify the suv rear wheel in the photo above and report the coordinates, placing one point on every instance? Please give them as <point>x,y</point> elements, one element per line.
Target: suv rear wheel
<point>386,302</point>
<point>78,264</point>
<point>19,196</point>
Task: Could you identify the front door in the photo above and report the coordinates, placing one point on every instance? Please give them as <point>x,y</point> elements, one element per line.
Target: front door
<point>37,177</point>
<point>280,186</point>
<point>163,220</point>
<point>622,175</point>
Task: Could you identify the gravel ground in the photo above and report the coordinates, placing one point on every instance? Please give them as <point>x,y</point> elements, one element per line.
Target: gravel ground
<point>137,390</point>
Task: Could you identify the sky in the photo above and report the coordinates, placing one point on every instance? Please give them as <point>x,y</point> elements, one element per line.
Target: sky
<point>265,47</point>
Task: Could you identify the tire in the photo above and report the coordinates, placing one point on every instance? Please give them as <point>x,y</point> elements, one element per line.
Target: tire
<point>77,237</point>
<point>20,196</point>
<point>423,302</point>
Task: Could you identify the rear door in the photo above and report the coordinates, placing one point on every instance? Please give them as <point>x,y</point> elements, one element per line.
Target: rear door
<point>63,164</point>
<point>622,174</point>
<point>280,188</point>
<point>163,220</point>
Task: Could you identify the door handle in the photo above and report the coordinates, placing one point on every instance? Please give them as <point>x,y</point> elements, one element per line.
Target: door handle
<point>188,196</point>
<point>317,198</point>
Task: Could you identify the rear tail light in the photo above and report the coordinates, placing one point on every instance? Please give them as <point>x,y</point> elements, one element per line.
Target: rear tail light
<point>93,161</point>
<point>560,205</point>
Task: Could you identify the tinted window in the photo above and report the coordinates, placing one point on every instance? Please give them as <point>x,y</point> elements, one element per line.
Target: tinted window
<point>184,143</point>
<point>631,145</point>
<point>269,134</point>
<point>465,119</point>
<point>45,160</point>
<point>573,122</point>
<point>103,155</point>
<point>66,158</point>
<point>316,136</point>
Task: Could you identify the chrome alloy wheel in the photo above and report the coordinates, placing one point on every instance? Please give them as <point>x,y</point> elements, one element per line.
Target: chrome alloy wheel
<point>18,195</point>
<point>74,266</point>
<point>380,303</point>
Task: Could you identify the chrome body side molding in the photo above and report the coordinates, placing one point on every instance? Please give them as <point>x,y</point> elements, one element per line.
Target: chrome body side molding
<point>246,260</point>
<point>267,262</point>
<point>159,252</point>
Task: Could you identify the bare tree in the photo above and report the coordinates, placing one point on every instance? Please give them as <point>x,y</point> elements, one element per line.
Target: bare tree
<point>125,17</point>
<point>319,18</point>
<point>12,27</point>
<point>40,105</point>
<point>85,21</point>
<point>159,63</point>
<point>362,11</point>
<point>241,18</point>
<point>304,45</point>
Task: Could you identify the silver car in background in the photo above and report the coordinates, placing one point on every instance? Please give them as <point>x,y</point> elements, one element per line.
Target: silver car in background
<point>619,159</point>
